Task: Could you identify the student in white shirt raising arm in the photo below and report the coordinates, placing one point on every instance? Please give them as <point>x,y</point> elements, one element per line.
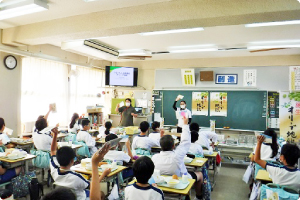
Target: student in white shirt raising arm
<point>179,115</point>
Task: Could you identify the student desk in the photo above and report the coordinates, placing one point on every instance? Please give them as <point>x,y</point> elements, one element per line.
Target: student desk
<point>169,133</point>
<point>61,136</point>
<point>16,162</point>
<point>181,193</point>
<point>25,144</point>
<point>263,176</point>
<point>92,132</point>
<point>111,176</point>
<point>213,158</point>
<point>196,164</point>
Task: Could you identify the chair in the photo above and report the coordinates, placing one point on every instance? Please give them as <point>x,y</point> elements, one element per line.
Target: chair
<point>42,161</point>
<point>84,150</point>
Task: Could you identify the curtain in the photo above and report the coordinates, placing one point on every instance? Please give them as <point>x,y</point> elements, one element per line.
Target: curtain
<point>44,82</point>
<point>86,86</point>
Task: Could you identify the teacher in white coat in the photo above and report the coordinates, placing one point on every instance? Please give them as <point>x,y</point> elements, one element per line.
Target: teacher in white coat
<point>180,112</point>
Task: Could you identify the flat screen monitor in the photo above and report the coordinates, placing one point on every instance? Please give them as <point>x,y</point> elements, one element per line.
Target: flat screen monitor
<point>138,110</point>
<point>121,76</point>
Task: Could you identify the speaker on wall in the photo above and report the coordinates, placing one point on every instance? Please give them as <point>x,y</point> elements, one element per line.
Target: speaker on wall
<point>206,76</point>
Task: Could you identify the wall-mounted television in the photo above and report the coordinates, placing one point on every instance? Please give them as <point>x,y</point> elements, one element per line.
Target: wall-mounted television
<point>121,76</point>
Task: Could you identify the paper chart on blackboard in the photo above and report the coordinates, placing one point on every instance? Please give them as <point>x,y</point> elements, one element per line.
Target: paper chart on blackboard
<point>218,104</point>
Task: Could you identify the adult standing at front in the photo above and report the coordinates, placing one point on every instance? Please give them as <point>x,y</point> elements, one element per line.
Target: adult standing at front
<point>127,113</point>
<point>180,112</point>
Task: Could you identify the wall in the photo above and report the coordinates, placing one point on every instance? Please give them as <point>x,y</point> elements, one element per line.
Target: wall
<point>10,90</point>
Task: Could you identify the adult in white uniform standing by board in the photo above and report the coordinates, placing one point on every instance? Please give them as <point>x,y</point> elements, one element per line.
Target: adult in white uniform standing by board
<point>181,112</point>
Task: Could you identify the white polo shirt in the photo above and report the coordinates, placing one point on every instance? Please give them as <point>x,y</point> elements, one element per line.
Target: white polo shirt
<point>69,179</point>
<point>135,192</point>
<point>196,149</point>
<point>187,112</point>
<point>117,155</point>
<point>42,141</point>
<point>142,141</point>
<point>205,136</point>
<point>74,129</point>
<point>88,139</point>
<point>171,162</point>
<point>284,176</point>
<point>155,136</point>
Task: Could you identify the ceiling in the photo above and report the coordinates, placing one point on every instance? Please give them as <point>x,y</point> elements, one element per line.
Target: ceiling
<point>117,23</point>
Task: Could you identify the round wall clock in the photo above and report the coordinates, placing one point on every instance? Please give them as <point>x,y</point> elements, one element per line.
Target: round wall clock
<point>10,62</point>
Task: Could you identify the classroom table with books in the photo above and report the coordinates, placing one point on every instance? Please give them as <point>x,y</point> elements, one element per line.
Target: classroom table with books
<point>25,144</point>
<point>197,162</point>
<point>12,163</point>
<point>182,193</point>
<point>213,157</point>
<point>263,176</point>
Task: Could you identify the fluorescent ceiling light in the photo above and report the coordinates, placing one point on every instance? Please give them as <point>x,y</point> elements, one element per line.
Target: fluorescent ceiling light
<point>273,23</point>
<point>193,48</point>
<point>22,8</point>
<point>275,46</point>
<point>172,31</point>
<point>276,42</point>
<point>134,52</point>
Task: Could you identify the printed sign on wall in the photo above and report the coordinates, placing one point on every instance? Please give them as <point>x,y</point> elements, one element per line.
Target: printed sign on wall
<point>289,116</point>
<point>200,103</point>
<point>218,104</point>
<point>188,77</point>
<point>295,78</point>
<point>249,77</point>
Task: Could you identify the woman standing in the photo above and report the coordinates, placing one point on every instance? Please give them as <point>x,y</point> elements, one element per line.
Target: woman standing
<point>180,112</point>
<point>127,113</point>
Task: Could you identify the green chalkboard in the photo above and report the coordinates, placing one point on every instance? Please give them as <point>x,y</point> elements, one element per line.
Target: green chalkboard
<point>246,109</point>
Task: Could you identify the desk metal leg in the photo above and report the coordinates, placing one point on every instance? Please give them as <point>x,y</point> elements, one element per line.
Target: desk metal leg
<point>26,166</point>
<point>214,174</point>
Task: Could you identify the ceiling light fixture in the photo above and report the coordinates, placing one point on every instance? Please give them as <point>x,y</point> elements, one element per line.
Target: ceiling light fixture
<point>193,48</point>
<point>293,22</point>
<point>19,8</point>
<point>274,44</point>
<point>172,31</point>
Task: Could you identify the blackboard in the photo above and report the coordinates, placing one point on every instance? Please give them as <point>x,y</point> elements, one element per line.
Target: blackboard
<point>246,109</point>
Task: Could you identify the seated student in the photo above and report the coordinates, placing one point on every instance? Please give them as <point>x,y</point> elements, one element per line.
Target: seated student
<point>204,136</point>
<point>42,139</point>
<point>287,175</point>
<point>106,131</point>
<point>142,141</point>
<point>8,174</point>
<point>195,148</point>
<point>269,151</point>
<point>170,161</point>
<point>61,193</point>
<point>74,126</point>
<point>4,139</point>
<point>156,131</point>
<point>84,136</point>
<point>61,162</point>
<point>114,154</point>
<point>143,169</point>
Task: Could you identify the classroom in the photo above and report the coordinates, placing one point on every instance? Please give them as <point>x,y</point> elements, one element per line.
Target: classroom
<point>150,99</point>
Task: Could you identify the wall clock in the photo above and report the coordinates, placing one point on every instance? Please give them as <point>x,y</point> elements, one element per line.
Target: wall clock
<point>10,62</point>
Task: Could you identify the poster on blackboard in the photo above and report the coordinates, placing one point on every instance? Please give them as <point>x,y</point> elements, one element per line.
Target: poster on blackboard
<point>200,103</point>
<point>218,104</point>
<point>289,116</point>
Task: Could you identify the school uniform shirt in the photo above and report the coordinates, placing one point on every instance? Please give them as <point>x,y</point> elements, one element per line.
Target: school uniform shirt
<point>187,112</point>
<point>196,149</point>
<point>117,155</point>
<point>171,162</point>
<point>4,138</point>
<point>69,179</point>
<point>74,129</point>
<point>42,140</point>
<point>102,134</point>
<point>135,192</point>
<point>142,141</point>
<point>284,176</point>
<point>205,137</point>
<point>266,152</point>
<point>155,136</point>
<point>88,139</point>
<point>127,118</point>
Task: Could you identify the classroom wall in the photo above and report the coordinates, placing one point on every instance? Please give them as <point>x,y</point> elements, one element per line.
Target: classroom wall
<point>10,91</point>
<point>147,68</point>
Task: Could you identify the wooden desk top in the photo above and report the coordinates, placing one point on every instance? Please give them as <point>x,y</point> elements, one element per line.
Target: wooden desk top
<point>76,146</point>
<point>169,133</point>
<point>101,141</point>
<point>61,135</point>
<point>28,157</point>
<point>194,163</point>
<point>175,191</point>
<point>212,155</point>
<point>23,143</point>
<point>263,175</point>
<point>77,168</point>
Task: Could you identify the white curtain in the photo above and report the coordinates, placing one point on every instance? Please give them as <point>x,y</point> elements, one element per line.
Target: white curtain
<point>44,82</point>
<point>85,86</point>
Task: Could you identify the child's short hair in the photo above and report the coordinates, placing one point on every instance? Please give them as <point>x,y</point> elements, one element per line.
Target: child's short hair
<point>194,136</point>
<point>291,153</point>
<point>155,125</point>
<point>61,193</point>
<point>85,122</point>
<point>65,155</point>
<point>2,123</point>
<point>194,127</point>
<point>41,123</point>
<point>110,137</point>
<point>143,169</point>
<point>166,143</point>
<point>144,126</point>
